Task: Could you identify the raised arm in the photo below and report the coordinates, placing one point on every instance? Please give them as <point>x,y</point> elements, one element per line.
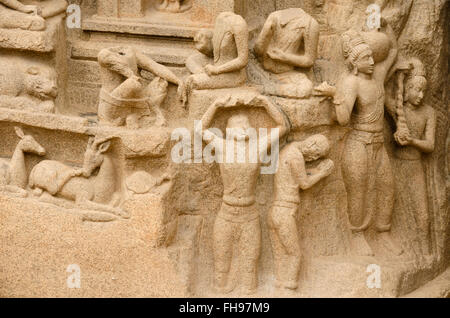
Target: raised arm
<point>427,144</point>
<point>282,124</point>
<point>17,5</point>
<point>146,63</point>
<point>382,68</point>
<point>207,120</point>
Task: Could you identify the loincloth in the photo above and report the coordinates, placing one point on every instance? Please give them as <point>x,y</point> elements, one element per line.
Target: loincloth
<point>242,212</point>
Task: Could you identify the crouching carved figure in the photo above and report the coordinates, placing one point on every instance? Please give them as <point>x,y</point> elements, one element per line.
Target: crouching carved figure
<point>53,180</point>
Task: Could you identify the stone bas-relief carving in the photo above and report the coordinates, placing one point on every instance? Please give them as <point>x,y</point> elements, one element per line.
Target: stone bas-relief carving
<point>91,119</point>
<point>34,89</point>
<point>287,43</point>
<point>174,6</point>
<point>292,176</point>
<point>29,15</point>
<point>14,177</point>
<point>238,218</point>
<point>230,55</point>
<point>418,121</point>
<point>125,98</point>
<point>366,167</point>
<point>51,180</point>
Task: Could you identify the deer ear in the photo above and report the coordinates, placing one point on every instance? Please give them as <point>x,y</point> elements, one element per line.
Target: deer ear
<point>91,141</point>
<point>103,147</point>
<point>19,132</point>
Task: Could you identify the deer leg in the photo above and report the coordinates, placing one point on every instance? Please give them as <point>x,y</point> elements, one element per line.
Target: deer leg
<point>90,205</point>
<point>15,191</point>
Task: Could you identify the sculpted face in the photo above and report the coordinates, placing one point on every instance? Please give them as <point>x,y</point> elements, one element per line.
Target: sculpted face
<point>314,147</point>
<point>203,42</point>
<point>415,90</point>
<point>365,63</point>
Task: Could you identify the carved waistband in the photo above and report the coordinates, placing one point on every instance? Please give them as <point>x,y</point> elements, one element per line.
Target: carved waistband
<point>123,102</point>
<point>246,201</point>
<point>367,137</point>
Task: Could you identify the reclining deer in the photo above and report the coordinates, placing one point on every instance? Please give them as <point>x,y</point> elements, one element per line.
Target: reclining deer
<point>53,180</point>
<point>13,175</point>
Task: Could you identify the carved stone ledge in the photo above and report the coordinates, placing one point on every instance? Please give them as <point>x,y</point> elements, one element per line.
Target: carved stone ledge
<point>140,28</point>
<point>39,41</point>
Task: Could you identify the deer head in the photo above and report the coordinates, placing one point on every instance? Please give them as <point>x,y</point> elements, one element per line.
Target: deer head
<point>28,143</point>
<point>95,154</point>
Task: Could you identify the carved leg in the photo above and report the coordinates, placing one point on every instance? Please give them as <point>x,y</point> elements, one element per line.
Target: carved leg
<point>385,202</point>
<point>250,247</point>
<point>223,238</point>
<point>157,90</point>
<point>130,88</point>
<point>355,173</point>
<point>286,228</point>
<point>90,205</point>
<point>277,251</point>
<point>16,191</point>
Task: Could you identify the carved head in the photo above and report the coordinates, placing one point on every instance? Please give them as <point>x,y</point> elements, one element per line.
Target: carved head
<point>203,42</point>
<point>357,53</point>
<point>28,143</point>
<point>315,147</point>
<point>236,127</point>
<point>416,83</point>
<point>41,83</point>
<point>94,155</point>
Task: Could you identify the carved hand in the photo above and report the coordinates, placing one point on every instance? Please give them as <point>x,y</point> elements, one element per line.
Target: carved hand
<point>36,10</point>
<point>403,138</point>
<point>211,70</point>
<point>326,167</point>
<point>277,55</point>
<point>325,89</point>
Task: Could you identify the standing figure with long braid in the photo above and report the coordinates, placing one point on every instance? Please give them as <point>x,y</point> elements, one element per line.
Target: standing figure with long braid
<point>416,129</point>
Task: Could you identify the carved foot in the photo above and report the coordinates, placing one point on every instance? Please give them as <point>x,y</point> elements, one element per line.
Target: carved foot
<point>388,243</point>
<point>360,245</point>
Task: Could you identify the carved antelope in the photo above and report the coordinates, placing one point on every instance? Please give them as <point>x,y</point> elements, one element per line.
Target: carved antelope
<point>13,175</point>
<point>88,191</point>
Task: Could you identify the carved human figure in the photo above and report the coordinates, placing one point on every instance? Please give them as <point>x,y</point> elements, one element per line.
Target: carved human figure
<point>125,97</point>
<point>418,138</point>
<point>55,182</point>
<point>174,6</point>
<point>29,14</point>
<point>291,177</point>
<point>34,89</point>
<point>359,100</point>
<point>230,51</point>
<point>14,175</point>
<point>238,218</point>
<point>287,48</point>
<point>205,55</point>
